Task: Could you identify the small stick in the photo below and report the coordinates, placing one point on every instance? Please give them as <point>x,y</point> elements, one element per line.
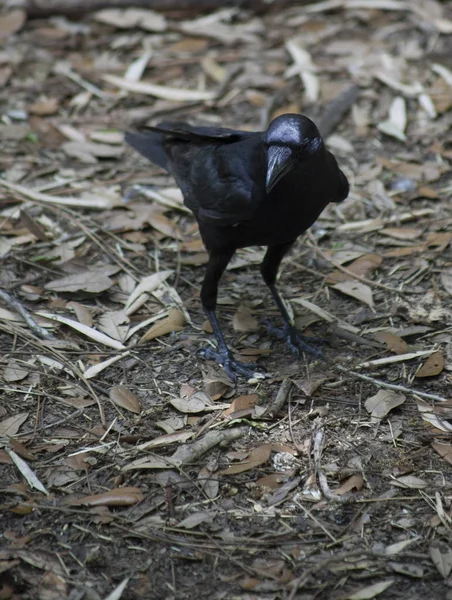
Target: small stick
<point>391,386</point>
<point>23,312</point>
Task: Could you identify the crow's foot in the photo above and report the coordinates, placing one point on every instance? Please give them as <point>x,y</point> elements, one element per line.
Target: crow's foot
<point>296,342</point>
<point>231,367</point>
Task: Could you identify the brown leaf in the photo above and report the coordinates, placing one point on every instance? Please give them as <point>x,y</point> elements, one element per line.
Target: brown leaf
<point>355,482</point>
<point>124,398</point>
<point>362,266</point>
<point>432,366</point>
<point>244,321</point>
<point>392,341</point>
<point>173,322</point>
<point>12,22</point>
<point>164,225</point>
<point>402,233</point>
<point>125,496</point>
<point>46,107</point>
<point>257,456</point>
<point>242,404</point>
<point>444,450</point>
<point>195,403</point>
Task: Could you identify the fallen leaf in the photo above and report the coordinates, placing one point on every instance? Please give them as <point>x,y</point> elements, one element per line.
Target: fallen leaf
<point>244,321</point>
<point>442,560</point>
<point>198,402</point>
<point>355,482</point>
<point>392,341</point>
<point>402,233</point>
<point>132,18</point>
<point>242,404</point>
<point>432,366</point>
<point>382,403</point>
<point>14,372</point>
<point>370,591</point>
<point>173,322</point>
<point>11,22</point>
<point>92,282</point>
<point>124,398</point>
<point>409,482</point>
<point>257,456</point>
<point>444,450</point>
<point>125,496</point>
<point>160,91</point>
<point>395,125</point>
<point>357,290</point>
<point>11,425</point>
<point>140,294</point>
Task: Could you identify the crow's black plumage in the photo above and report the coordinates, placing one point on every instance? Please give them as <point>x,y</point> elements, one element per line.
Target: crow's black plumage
<point>245,189</point>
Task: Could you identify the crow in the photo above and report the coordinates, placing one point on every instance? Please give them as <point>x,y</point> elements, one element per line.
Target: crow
<point>245,189</point>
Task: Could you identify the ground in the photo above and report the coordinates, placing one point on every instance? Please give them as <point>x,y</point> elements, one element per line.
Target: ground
<point>130,467</point>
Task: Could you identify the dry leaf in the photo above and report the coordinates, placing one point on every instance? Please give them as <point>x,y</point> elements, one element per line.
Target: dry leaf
<point>159,91</point>
<point>393,341</point>
<point>357,290</point>
<point>402,233</point>
<point>244,321</point>
<point>12,22</point>
<point>429,415</point>
<point>241,405</point>
<point>140,294</point>
<point>11,425</point>
<point>432,366</point>
<point>371,591</point>
<point>409,482</point>
<point>257,456</point>
<point>382,403</point>
<point>125,496</point>
<point>395,125</point>
<point>442,560</point>
<point>173,322</point>
<point>132,18</point>
<point>92,282</point>
<point>14,372</point>
<point>124,398</point>
<point>355,482</point>
<point>444,450</point>
<point>197,402</point>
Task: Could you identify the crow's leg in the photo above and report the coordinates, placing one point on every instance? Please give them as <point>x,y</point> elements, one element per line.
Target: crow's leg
<point>218,262</point>
<point>269,268</point>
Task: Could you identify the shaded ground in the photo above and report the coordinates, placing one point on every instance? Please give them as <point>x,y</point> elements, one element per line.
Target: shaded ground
<point>137,467</point>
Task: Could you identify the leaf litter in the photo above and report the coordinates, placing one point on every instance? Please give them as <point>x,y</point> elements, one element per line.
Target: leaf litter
<point>98,249</point>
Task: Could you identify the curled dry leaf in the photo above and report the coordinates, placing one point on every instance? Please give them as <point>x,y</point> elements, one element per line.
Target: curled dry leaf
<point>430,416</point>
<point>409,482</point>
<point>160,91</point>
<point>432,366</point>
<point>244,321</point>
<point>173,322</point>
<point>140,294</point>
<point>123,397</point>
<point>382,403</point>
<point>125,496</point>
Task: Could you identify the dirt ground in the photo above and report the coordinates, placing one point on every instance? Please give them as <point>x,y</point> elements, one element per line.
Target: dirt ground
<point>132,468</point>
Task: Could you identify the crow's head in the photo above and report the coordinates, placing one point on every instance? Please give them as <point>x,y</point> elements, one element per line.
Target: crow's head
<point>289,140</point>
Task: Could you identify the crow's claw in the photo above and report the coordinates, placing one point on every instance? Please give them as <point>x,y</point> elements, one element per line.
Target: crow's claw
<point>296,342</point>
<point>231,367</point>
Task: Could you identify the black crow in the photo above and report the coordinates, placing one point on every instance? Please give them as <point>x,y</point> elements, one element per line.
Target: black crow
<point>246,189</point>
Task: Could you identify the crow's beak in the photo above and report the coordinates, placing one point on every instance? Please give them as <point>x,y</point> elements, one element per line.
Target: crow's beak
<point>280,161</point>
